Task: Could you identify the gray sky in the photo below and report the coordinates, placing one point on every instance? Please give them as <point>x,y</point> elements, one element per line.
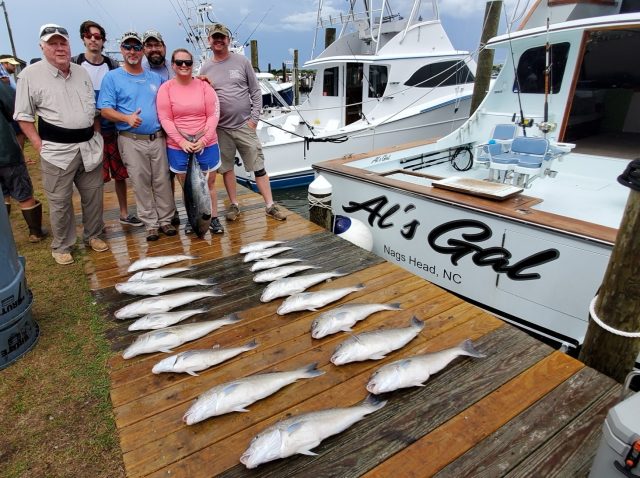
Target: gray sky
<point>279,25</point>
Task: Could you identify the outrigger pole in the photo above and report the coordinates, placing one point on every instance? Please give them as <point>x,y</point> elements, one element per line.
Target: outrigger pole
<point>6,18</point>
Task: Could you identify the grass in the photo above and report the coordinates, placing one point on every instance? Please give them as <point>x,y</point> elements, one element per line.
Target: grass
<point>56,416</point>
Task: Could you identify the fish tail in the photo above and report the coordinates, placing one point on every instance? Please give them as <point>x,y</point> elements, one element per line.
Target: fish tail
<point>233,317</point>
<point>311,370</point>
<point>216,291</point>
<point>416,322</point>
<point>251,345</point>
<point>341,271</point>
<point>373,402</point>
<point>209,281</point>
<point>468,349</point>
<point>394,306</point>
<point>359,286</point>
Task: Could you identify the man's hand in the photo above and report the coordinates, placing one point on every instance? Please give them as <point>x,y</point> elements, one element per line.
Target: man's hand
<point>252,124</point>
<point>133,119</point>
<point>204,78</point>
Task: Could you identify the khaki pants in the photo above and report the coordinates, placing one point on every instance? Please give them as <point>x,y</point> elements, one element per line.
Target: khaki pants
<point>58,186</point>
<point>246,141</point>
<point>148,168</point>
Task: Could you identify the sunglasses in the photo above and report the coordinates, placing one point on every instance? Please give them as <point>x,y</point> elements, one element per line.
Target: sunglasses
<point>129,47</point>
<point>49,30</point>
<point>183,62</point>
<point>89,36</point>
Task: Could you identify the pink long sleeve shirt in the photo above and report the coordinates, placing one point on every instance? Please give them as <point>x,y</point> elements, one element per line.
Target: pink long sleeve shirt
<point>188,108</point>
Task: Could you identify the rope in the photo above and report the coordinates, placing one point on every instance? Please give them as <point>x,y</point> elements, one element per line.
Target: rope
<point>323,203</point>
<point>597,320</point>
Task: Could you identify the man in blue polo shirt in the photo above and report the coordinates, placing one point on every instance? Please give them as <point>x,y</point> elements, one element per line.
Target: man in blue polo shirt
<point>128,98</point>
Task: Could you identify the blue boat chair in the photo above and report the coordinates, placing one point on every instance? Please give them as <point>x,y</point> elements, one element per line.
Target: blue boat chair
<point>502,135</point>
<point>531,154</point>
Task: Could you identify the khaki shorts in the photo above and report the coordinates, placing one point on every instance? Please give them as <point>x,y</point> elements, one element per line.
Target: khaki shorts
<point>246,142</point>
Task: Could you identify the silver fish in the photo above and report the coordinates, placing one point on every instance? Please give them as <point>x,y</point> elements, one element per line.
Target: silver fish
<point>197,197</point>
<point>270,263</point>
<point>165,303</point>
<point>293,285</point>
<point>279,272</point>
<point>163,340</point>
<point>193,361</point>
<point>343,317</point>
<point>160,286</point>
<point>236,395</point>
<point>158,261</point>
<point>376,344</point>
<point>259,246</point>
<point>415,371</point>
<point>161,320</point>
<point>315,300</point>
<point>302,433</point>
<point>264,254</point>
<point>158,273</point>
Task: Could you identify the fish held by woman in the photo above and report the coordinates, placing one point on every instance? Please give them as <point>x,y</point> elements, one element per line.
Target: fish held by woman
<point>197,198</point>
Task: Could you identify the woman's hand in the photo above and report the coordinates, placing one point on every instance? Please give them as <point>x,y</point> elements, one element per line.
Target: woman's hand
<point>198,145</point>
<point>187,146</point>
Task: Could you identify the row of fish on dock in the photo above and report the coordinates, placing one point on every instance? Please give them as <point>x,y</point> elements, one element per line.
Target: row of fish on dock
<point>297,434</point>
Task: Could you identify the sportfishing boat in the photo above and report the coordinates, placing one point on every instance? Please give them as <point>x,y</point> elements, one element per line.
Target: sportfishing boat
<point>518,209</point>
<point>385,80</point>
<point>275,93</point>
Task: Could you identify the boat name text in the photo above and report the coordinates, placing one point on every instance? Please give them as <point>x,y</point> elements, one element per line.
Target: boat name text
<point>496,257</point>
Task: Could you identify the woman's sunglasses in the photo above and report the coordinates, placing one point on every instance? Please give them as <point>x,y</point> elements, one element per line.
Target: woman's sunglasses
<point>129,47</point>
<point>89,36</point>
<point>183,62</point>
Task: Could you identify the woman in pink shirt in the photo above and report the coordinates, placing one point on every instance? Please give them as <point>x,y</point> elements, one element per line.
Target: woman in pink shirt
<point>191,106</point>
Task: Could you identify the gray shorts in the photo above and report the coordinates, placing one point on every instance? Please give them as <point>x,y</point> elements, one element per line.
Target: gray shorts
<point>16,182</point>
<point>246,141</point>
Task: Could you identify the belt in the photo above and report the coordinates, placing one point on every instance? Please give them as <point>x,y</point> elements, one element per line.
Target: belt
<point>149,137</point>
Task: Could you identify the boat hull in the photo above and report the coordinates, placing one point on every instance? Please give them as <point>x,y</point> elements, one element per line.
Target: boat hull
<point>289,164</point>
<point>536,277</point>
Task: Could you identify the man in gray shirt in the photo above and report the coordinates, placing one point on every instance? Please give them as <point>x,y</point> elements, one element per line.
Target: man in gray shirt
<point>235,82</point>
<point>61,95</point>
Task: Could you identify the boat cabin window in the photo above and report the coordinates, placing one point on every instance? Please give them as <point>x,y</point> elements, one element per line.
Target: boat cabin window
<point>531,67</point>
<point>377,80</point>
<point>444,73</point>
<point>330,82</point>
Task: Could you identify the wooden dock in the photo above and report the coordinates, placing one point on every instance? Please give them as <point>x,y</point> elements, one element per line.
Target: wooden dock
<point>524,410</point>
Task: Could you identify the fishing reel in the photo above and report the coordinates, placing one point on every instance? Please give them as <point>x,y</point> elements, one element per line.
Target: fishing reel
<point>547,127</point>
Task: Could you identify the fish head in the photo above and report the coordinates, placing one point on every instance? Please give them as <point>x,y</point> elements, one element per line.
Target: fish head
<point>341,355</point>
<point>135,348</point>
<point>202,224</point>
<point>319,328</point>
<point>165,365</point>
<point>264,447</point>
<point>385,379</point>
<point>267,294</point>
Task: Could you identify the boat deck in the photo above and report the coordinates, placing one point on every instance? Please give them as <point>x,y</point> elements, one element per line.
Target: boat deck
<point>584,199</point>
<point>523,410</point>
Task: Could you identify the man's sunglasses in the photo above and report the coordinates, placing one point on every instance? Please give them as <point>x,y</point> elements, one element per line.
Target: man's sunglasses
<point>129,47</point>
<point>183,62</point>
<point>89,36</point>
<point>49,30</point>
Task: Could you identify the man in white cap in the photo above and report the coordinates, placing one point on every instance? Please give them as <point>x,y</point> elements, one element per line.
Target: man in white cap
<point>240,99</point>
<point>8,64</point>
<point>59,93</point>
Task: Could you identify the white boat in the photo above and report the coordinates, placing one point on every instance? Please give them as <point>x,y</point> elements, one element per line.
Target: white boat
<point>385,80</point>
<point>275,93</point>
<point>527,232</point>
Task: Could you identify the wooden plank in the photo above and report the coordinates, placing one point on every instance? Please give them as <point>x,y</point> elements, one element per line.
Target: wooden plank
<point>455,437</point>
<point>348,389</point>
<point>503,451</point>
<point>571,451</point>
